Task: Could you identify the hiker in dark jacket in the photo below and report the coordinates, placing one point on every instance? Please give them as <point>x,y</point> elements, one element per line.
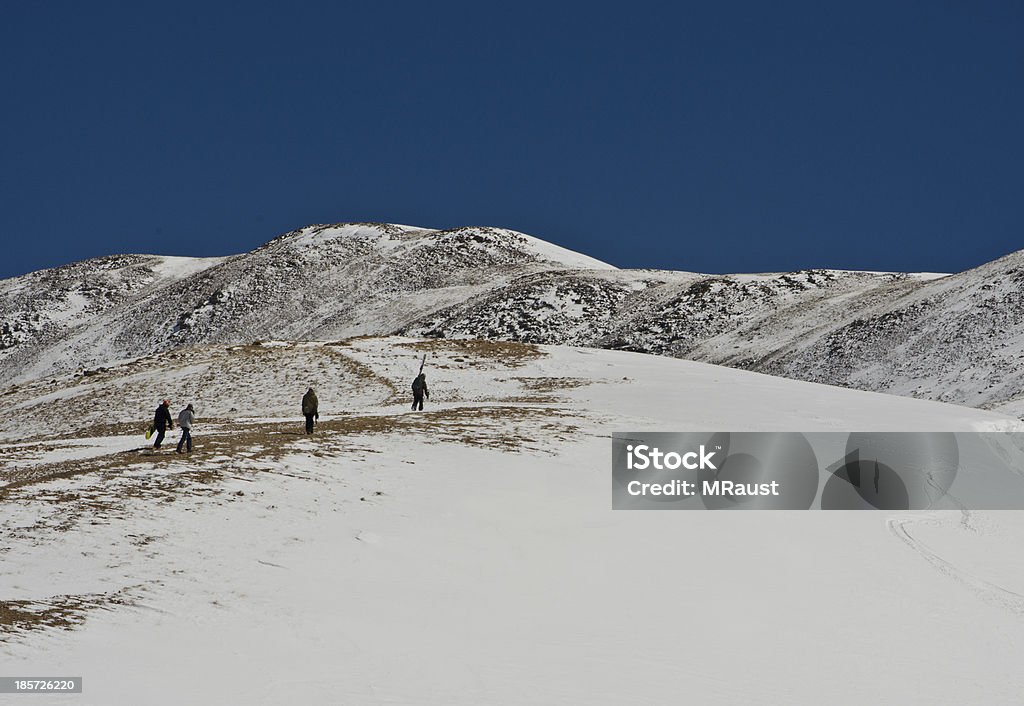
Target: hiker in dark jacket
<point>419,391</point>
<point>162,422</point>
<point>310,409</point>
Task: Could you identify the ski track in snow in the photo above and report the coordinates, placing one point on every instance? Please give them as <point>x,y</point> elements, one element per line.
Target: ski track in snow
<point>991,593</point>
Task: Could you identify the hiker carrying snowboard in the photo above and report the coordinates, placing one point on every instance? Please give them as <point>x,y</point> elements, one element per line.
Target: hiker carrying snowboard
<point>186,418</point>
<point>162,422</point>
<point>419,391</point>
<point>310,409</point>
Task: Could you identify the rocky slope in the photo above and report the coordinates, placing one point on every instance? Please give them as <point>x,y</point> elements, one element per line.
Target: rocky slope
<point>956,338</point>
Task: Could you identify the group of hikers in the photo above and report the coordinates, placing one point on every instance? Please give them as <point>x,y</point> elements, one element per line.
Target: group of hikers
<point>162,421</point>
<point>311,405</point>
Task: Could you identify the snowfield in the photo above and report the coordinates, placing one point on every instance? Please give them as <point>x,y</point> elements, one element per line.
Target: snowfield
<point>469,554</point>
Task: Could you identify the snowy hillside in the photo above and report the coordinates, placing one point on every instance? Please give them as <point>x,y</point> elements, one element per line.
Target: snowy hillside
<point>44,306</point>
<point>469,554</point>
<point>957,339</point>
<point>317,282</point>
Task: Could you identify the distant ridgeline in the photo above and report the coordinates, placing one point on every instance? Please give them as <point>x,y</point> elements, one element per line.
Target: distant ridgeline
<point>951,338</point>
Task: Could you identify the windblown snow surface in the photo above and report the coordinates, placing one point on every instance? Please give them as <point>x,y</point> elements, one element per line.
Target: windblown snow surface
<point>468,554</point>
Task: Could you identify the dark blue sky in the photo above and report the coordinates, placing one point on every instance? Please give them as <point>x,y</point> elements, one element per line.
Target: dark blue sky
<point>719,137</point>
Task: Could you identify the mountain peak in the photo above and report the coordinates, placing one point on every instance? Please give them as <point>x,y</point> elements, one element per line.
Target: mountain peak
<point>489,242</point>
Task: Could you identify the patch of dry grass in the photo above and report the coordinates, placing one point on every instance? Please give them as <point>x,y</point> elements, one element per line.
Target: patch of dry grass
<point>551,384</point>
<point>359,369</point>
<point>505,353</point>
<point>55,612</point>
<point>497,427</point>
<point>500,427</point>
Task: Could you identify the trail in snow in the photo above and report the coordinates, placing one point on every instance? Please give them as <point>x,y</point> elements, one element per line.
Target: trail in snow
<point>987,591</point>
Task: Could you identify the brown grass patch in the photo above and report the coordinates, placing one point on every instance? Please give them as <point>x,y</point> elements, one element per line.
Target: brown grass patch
<point>55,612</point>
<point>551,384</point>
<point>507,353</point>
<point>498,427</point>
<point>505,428</point>
<point>358,369</point>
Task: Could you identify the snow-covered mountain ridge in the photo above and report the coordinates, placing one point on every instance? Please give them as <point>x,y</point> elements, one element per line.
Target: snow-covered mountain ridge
<point>957,338</point>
